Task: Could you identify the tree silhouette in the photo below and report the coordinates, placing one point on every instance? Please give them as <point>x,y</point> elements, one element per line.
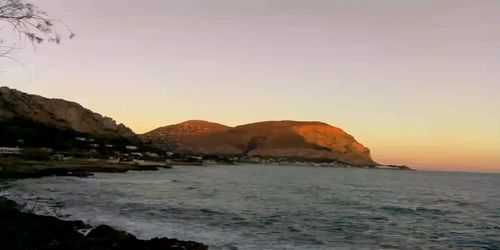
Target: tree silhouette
<point>29,23</point>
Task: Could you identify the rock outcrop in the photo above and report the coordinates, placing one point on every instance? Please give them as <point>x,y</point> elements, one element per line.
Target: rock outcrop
<point>22,230</point>
<point>57,113</point>
<point>275,139</point>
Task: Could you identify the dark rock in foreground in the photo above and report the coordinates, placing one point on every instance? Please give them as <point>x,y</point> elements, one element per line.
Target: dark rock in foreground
<point>22,230</point>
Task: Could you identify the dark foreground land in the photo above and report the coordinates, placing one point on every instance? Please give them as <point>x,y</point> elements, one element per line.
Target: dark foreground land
<point>26,231</point>
<point>13,168</point>
<point>23,230</point>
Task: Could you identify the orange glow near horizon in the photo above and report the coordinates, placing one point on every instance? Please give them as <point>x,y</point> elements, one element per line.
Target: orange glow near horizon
<point>440,159</point>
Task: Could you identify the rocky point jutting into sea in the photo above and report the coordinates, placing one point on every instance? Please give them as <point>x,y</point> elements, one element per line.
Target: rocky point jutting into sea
<point>309,141</point>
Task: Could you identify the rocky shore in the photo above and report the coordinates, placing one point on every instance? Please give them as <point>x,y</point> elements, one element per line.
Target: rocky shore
<point>12,168</point>
<point>24,230</point>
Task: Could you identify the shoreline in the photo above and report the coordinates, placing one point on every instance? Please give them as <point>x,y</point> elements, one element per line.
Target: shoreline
<point>20,229</point>
<point>13,168</point>
<point>25,230</point>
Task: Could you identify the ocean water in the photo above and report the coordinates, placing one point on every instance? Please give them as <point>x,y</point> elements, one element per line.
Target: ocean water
<point>281,207</point>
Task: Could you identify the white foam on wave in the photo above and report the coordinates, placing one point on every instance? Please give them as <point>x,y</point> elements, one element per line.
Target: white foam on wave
<point>141,226</point>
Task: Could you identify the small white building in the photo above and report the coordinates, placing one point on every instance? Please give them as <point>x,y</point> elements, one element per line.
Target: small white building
<point>131,147</point>
<point>194,157</point>
<point>9,151</point>
<point>153,155</point>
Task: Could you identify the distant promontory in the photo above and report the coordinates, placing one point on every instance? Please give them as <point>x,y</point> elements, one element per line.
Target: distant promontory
<point>299,140</point>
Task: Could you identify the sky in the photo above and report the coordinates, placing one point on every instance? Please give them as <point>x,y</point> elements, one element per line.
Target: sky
<point>417,82</point>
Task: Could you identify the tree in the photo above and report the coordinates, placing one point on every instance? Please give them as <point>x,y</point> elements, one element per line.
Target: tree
<point>28,22</point>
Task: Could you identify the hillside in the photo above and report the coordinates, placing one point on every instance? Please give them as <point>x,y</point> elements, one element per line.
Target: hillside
<point>172,136</point>
<point>277,139</point>
<point>42,121</point>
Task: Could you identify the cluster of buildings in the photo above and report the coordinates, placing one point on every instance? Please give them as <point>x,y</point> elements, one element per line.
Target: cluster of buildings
<point>10,151</point>
<point>125,153</point>
<point>86,148</point>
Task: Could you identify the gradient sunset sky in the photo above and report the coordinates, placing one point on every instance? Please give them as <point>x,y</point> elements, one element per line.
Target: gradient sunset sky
<point>418,82</point>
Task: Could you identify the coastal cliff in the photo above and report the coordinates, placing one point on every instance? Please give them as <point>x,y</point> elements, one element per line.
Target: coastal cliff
<point>303,140</point>
<point>31,117</point>
<point>57,113</point>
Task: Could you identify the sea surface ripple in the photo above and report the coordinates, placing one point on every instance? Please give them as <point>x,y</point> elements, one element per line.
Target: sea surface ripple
<point>281,207</point>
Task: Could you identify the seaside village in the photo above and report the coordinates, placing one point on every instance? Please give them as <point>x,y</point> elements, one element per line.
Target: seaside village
<point>89,149</point>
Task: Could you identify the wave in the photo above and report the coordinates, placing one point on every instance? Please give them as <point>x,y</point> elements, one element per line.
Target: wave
<point>396,209</point>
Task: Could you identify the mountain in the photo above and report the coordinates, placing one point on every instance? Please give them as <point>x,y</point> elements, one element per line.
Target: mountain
<point>40,120</point>
<point>180,134</point>
<point>276,139</point>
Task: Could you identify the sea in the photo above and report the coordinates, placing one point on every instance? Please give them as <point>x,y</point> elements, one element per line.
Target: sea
<point>280,207</point>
